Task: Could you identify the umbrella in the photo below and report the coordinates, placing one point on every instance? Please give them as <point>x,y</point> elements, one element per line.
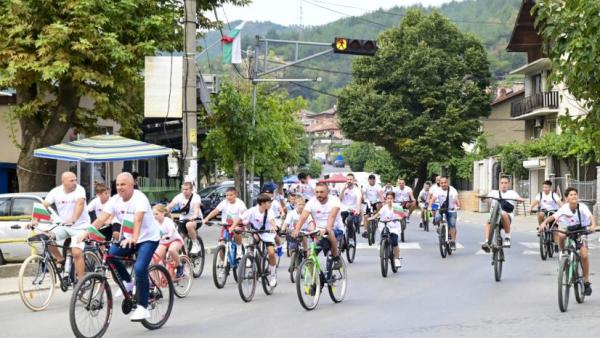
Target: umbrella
<point>291,179</point>
<point>335,178</point>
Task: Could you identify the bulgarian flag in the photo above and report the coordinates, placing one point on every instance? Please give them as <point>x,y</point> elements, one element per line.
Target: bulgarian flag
<point>127,227</point>
<point>398,210</point>
<point>95,235</point>
<point>232,45</point>
<point>40,212</point>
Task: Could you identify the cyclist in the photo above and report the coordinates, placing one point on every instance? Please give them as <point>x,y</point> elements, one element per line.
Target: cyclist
<point>139,234</point>
<point>436,185</point>
<point>389,212</point>
<point>387,188</point>
<point>69,199</point>
<point>292,218</point>
<point>325,211</point>
<point>547,201</point>
<point>373,195</point>
<point>404,196</point>
<point>277,211</point>
<point>95,209</point>
<point>447,198</point>
<point>170,241</point>
<point>574,216</point>
<point>231,208</point>
<point>188,205</point>
<point>506,211</point>
<point>260,217</point>
<point>306,187</point>
<point>291,201</point>
<point>351,200</point>
<point>423,200</point>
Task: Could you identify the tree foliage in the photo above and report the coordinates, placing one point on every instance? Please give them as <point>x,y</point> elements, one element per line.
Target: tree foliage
<point>357,154</point>
<point>57,53</point>
<point>420,96</point>
<point>572,33</point>
<point>315,168</point>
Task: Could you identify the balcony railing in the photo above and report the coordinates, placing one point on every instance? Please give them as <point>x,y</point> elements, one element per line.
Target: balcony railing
<point>530,103</point>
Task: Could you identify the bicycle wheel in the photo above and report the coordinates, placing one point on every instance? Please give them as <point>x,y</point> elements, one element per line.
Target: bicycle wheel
<point>247,277</point>
<point>578,287</point>
<point>403,230</point>
<point>442,240</point>
<point>90,308</point>
<point>197,259</point>
<point>292,268</point>
<point>498,259</point>
<point>91,260</point>
<point>219,268</point>
<point>161,298</point>
<point>337,284</point>
<point>543,246</point>
<point>308,286</point>
<point>265,272</point>
<point>563,284</point>
<point>383,257</point>
<point>37,282</point>
<point>351,252</point>
<point>550,247</point>
<point>183,285</point>
<point>392,259</point>
<point>426,224</point>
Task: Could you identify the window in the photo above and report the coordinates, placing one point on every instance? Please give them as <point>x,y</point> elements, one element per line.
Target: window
<point>4,207</point>
<point>537,83</point>
<point>22,207</point>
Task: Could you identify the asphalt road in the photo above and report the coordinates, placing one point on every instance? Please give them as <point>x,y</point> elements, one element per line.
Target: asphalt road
<point>428,297</point>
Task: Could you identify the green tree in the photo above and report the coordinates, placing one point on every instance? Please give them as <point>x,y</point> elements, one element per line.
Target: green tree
<point>315,168</point>
<point>421,95</point>
<point>357,154</point>
<point>380,162</point>
<point>572,35</point>
<point>55,53</point>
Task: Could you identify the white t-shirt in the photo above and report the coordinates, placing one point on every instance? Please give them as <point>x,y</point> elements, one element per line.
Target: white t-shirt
<point>320,212</point>
<point>549,201</point>
<point>388,214</point>
<point>566,217</point>
<point>292,218</point>
<point>65,205</point>
<point>307,190</point>
<point>371,192</point>
<point>402,195</point>
<point>231,211</point>
<point>387,189</point>
<point>433,188</point>
<point>180,201</point>
<point>511,194</point>
<point>424,196</point>
<point>124,212</point>
<point>96,206</point>
<point>351,198</point>
<point>168,231</point>
<point>255,218</point>
<point>440,196</point>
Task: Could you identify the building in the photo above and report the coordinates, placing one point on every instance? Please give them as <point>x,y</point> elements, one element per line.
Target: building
<point>9,153</point>
<point>499,127</point>
<point>324,130</point>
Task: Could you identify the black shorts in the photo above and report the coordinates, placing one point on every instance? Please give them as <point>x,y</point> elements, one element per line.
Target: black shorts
<point>108,230</point>
<point>182,228</point>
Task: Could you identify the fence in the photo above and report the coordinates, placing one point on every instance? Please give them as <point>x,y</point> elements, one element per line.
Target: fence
<point>586,189</point>
<point>522,188</point>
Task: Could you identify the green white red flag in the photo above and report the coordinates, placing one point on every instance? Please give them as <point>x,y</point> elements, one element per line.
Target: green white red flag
<point>40,212</point>
<point>232,45</point>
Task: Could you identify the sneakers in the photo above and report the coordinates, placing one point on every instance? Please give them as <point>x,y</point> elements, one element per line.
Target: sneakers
<point>453,245</point>
<point>195,248</point>
<point>397,262</point>
<point>337,264</point>
<point>420,224</point>
<point>485,246</point>
<point>128,286</point>
<point>506,242</point>
<point>587,288</point>
<point>365,234</point>
<point>272,280</point>
<point>140,314</point>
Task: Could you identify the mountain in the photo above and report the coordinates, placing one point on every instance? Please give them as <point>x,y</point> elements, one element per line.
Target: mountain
<point>489,20</point>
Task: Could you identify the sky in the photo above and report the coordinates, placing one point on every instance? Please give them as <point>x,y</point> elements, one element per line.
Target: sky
<point>287,12</point>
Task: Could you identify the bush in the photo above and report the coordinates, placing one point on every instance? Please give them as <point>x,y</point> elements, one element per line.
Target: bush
<point>315,168</point>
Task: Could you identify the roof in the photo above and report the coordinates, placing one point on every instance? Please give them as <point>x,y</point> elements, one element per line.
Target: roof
<point>508,96</point>
<point>330,111</point>
<point>325,125</point>
<point>524,37</point>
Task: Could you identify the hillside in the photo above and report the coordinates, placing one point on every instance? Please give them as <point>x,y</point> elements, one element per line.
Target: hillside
<point>490,20</point>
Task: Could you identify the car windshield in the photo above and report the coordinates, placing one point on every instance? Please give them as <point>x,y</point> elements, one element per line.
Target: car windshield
<point>204,192</point>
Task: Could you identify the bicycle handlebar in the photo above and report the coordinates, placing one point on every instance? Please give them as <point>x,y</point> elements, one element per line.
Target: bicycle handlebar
<point>574,232</point>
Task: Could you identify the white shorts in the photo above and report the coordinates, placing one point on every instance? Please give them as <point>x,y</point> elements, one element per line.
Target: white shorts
<point>267,237</point>
<point>63,232</point>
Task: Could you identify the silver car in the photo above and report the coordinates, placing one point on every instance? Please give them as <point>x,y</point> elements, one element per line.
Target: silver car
<point>15,214</point>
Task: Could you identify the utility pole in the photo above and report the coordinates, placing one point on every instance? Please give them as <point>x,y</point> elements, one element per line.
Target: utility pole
<point>189,145</point>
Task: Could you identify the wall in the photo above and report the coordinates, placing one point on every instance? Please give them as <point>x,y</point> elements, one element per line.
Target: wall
<point>499,128</point>
<point>9,153</point>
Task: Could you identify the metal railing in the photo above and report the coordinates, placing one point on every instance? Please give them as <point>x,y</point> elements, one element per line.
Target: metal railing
<point>159,184</point>
<point>522,188</point>
<point>530,103</point>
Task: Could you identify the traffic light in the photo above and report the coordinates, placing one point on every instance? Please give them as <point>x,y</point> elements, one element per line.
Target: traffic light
<point>354,46</point>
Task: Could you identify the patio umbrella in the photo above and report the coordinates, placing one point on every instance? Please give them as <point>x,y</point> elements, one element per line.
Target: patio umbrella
<point>335,178</point>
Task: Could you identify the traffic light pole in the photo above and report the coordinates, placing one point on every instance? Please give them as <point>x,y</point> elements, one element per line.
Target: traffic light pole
<point>189,133</point>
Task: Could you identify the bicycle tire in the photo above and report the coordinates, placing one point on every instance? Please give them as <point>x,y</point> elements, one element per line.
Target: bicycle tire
<point>265,272</point>
<point>383,259</point>
<point>351,252</point>
<point>77,297</point>
<point>392,259</point>
<point>563,284</point>
<point>426,224</point>
<point>403,228</point>
<point>308,283</point>
<point>216,267</point>
<point>550,248</point>
<point>198,258</point>
<point>578,286</point>
<point>91,260</point>
<point>292,268</point>
<point>543,246</point>
<point>442,241</point>
<point>497,265</point>
<point>342,273</point>
<point>183,285</point>
<point>39,264</point>
<point>160,283</point>
<point>247,273</point>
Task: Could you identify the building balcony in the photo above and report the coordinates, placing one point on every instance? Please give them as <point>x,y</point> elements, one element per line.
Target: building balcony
<point>536,105</point>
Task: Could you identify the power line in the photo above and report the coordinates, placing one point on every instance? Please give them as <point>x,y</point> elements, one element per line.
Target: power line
<point>345,14</point>
<point>314,90</point>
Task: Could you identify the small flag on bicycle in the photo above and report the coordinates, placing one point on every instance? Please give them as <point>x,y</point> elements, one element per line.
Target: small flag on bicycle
<point>40,212</point>
<point>398,210</point>
<point>95,235</point>
<point>127,226</point>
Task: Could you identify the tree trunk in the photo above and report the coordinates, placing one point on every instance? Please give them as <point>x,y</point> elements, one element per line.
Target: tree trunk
<point>421,177</point>
<point>45,128</point>
<point>239,178</point>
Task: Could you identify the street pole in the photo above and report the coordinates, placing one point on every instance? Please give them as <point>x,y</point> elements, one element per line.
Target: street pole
<point>190,110</point>
<point>254,88</point>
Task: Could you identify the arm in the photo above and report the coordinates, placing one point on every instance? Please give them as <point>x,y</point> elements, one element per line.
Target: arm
<point>211,215</point>
<point>78,210</point>
<point>102,219</point>
<point>196,211</point>
<point>533,205</point>
<point>301,220</point>
<point>412,196</point>
<point>332,215</point>
<point>171,205</point>
<point>137,225</point>
<point>358,202</point>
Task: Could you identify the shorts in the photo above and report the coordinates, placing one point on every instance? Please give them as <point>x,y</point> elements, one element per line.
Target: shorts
<point>326,245</point>
<point>394,239</point>
<point>63,232</point>
<point>371,207</point>
<point>181,225</point>
<point>406,204</point>
<point>167,245</point>
<point>510,216</point>
<point>450,218</point>
<point>267,238</point>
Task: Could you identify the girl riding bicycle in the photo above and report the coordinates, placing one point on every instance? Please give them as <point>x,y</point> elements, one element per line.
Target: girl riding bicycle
<point>389,212</point>
<point>170,240</point>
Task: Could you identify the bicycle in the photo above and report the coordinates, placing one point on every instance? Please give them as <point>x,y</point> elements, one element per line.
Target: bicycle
<point>386,254</point>
<point>225,260</point>
<point>297,254</point>
<point>254,265</point>
<point>495,240</point>
<point>546,239</point>
<point>91,304</point>
<point>182,285</point>
<point>311,278</point>
<point>197,259</point>
<point>443,235</point>
<point>371,226</point>
<point>425,216</point>
<point>570,269</point>
<point>38,273</point>
<point>349,243</point>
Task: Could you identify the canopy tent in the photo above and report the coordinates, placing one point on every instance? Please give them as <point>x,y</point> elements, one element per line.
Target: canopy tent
<point>335,178</point>
<point>290,179</point>
<point>102,148</point>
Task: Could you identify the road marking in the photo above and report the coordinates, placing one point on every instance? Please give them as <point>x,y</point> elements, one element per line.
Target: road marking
<point>402,246</point>
<point>459,246</point>
<point>481,252</point>
<point>531,252</point>
<point>531,245</point>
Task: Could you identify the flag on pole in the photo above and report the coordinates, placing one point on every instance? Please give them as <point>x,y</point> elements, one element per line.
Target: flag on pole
<point>95,235</point>
<point>232,45</point>
<point>40,212</point>
<point>127,226</point>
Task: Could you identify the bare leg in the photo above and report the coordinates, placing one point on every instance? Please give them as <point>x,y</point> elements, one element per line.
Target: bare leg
<point>174,249</point>
<point>78,261</point>
<point>585,263</point>
<point>334,244</point>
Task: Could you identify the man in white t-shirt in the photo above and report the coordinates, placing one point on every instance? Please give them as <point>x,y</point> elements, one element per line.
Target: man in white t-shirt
<point>70,202</point>
<point>373,194</point>
<point>188,204</point>
<point>139,234</point>
<point>306,187</point>
<point>231,208</point>
<point>447,198</point>
<point>351,199</point>
<point>110,230</point>
<point>325,212</point>
<point>510,196</point>
<point>547,200</point>
<point>436,185</point>
<point>404,196</point>
<point>570,217</point>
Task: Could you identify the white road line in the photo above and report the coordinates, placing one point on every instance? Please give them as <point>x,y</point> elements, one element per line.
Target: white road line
<point>531,245</point>
<point>459,246</point>
<point>531,252</point>
<point>481,252</point>
<point>402,246</point>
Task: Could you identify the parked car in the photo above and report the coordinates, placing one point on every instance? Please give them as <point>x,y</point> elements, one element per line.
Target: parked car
<point>213,195</point>
<point>339,163</point>
<point>15,214</point>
